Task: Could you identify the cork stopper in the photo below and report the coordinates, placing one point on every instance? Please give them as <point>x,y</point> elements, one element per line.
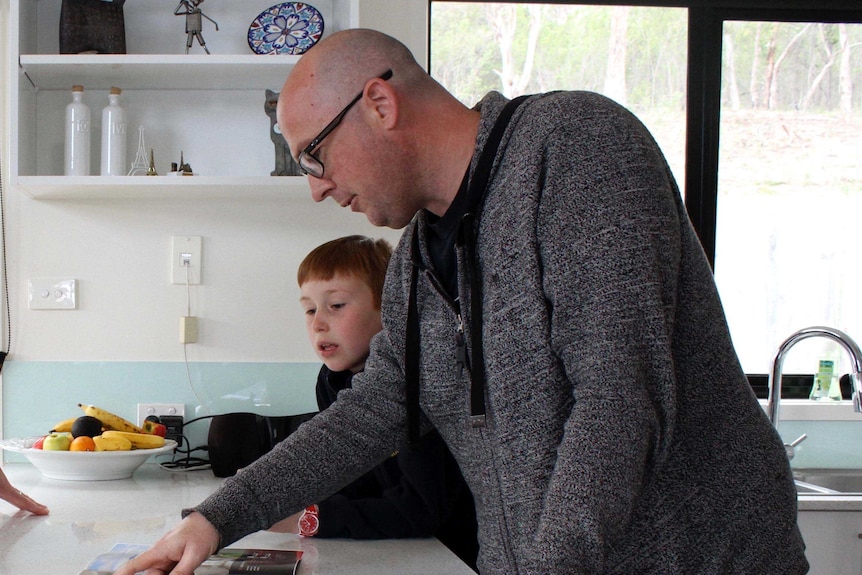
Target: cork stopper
<point>115,91</point>
<point>77,88</point>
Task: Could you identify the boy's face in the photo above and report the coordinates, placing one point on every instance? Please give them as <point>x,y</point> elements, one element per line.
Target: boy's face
<point>341,319</point>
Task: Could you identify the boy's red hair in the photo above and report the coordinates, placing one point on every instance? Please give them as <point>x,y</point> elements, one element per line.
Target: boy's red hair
<point>359,256</point>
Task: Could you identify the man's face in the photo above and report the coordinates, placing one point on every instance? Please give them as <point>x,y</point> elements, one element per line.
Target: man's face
<point>356,178</point>
<point>363,169</point>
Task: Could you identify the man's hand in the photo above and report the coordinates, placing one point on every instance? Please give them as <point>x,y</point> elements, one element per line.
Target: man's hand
<point>180,551</point>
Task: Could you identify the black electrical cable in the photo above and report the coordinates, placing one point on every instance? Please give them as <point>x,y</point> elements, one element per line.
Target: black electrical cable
<point>188,462</point>
<point>8,348</point>
<point>198,419</point>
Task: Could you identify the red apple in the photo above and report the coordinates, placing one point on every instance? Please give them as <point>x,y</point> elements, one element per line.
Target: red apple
<point>154,428</point>
<point>38,443</point>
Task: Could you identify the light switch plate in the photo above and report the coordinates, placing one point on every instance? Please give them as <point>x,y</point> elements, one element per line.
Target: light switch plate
<point>53,293</point>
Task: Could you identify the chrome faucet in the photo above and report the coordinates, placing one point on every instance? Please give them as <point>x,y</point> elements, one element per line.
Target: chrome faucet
<point>774,385</point>
<point>817,331</point>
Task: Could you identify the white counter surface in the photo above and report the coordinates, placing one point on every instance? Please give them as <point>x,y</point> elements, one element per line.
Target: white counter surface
<point>829,503</point>
<point>88,517</point>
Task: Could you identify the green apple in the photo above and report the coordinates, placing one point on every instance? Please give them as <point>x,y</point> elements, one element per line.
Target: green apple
<point>57,442</point>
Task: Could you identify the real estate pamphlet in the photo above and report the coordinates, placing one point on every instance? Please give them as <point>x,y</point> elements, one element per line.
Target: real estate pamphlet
<point>228,561</point>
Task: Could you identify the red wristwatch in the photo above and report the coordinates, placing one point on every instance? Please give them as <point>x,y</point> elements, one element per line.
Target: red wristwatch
<point>309,521</point>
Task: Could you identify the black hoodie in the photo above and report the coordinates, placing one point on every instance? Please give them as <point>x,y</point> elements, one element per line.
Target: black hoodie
<point>414,493</point>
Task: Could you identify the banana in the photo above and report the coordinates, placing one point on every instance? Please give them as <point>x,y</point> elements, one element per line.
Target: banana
<point>65,425</point>
<point>138,440</point>
<point>112,443</point>
<point>109,420</point>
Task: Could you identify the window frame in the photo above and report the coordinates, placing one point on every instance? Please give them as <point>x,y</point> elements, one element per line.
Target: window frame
<point>703,94</point>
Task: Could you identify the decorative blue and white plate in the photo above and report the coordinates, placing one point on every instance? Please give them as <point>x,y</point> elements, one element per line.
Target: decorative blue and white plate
<point>287,28</point>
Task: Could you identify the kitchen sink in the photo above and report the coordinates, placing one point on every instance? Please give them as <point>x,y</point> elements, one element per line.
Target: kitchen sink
<point>828,481</point>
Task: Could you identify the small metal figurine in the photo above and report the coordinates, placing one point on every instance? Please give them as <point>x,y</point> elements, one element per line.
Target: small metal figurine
<point>194,24</point>
<point>183,169</point>
<point>151,171</point>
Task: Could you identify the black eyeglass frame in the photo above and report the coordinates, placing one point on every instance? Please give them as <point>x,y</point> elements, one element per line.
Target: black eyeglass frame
<point>311,165</point>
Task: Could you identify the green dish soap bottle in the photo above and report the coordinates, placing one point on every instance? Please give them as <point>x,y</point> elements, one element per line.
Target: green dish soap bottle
<point>826,386</point>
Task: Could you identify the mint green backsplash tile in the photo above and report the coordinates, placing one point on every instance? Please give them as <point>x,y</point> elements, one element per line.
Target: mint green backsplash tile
<point>36,395</point>
<point>830,444</point>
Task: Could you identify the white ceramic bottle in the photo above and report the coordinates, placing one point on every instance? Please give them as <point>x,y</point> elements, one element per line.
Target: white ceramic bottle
<point>114,136</point>
<point>77,148</point>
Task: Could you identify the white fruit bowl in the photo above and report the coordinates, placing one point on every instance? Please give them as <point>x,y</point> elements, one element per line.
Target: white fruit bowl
<point>84,465</point>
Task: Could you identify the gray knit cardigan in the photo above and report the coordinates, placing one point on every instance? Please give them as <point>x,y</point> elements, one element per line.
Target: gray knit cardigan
<point>621,434</point>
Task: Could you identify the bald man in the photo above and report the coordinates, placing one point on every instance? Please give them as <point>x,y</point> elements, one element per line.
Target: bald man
<point>549,311</point>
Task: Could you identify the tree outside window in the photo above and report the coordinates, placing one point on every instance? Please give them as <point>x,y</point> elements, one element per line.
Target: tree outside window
<point>790,183</point>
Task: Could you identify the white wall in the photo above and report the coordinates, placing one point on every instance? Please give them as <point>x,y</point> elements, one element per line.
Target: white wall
<point>128,309</point>
<point>4,157</point>
<point>406,20</point>
<point>118,250</point>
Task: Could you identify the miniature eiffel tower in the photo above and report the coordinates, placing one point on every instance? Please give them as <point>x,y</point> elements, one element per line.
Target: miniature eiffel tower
<point>140,166</point>
<point>151,170</point>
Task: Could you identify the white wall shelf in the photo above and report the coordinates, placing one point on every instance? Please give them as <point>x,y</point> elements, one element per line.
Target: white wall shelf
<point>209,108</point>
<point>163,187</point>
<point>155,71</point>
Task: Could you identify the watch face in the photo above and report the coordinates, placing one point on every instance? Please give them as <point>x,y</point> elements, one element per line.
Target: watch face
<point>308,524</point>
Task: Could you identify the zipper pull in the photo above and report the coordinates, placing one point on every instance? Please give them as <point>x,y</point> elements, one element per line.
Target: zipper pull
<point>460,347</point>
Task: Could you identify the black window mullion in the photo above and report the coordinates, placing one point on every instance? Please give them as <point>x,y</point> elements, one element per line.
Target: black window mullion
<point>703,96</point>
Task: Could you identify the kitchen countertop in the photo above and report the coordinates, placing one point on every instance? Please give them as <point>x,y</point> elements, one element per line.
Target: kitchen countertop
<point>822,502</point>
<point>88,517</point>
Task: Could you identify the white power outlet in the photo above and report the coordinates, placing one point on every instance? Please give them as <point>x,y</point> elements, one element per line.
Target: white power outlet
<point>186,260</point>
<point>146,409</point>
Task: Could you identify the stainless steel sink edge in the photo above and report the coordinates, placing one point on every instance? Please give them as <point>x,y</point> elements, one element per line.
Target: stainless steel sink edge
<point>828,481</point>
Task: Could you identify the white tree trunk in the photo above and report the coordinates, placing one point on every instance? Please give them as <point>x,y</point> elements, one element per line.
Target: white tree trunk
<point>615,75</point>
<point>732,86</point>
<point>845,81</point>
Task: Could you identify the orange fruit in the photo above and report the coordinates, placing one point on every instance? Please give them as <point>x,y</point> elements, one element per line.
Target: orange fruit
<point>83,443</point>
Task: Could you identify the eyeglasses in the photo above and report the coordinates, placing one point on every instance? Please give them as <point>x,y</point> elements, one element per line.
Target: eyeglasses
<point>309,164</point>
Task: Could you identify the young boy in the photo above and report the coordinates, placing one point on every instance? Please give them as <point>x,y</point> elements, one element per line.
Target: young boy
<point>415,493</point>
